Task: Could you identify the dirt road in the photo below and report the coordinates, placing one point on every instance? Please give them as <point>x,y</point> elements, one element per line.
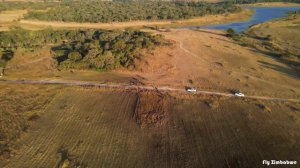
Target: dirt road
<point>136,87</point>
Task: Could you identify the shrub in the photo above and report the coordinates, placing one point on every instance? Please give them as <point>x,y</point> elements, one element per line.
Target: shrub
<point>230,32</point>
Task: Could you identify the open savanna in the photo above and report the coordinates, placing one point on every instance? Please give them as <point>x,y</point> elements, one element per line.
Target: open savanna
<point>204,59</point>
<point>90,127</point>
<point>207,59</point>
<point>209,19</point>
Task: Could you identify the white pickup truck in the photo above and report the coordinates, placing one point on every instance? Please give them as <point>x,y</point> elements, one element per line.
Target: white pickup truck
<point>191,90</point>
<point>239,94</point>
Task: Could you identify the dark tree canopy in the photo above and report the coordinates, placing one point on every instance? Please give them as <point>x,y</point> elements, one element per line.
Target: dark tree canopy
<point>106,50</point>
<point>98,11</point>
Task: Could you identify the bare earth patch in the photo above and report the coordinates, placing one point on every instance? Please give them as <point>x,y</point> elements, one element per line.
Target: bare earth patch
<point>151,109</point>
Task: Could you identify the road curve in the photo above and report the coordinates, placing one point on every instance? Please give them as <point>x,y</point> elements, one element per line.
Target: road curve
<point>135,87</point>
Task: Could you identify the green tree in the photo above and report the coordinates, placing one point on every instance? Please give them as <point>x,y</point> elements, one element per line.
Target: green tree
<point>74,56</point>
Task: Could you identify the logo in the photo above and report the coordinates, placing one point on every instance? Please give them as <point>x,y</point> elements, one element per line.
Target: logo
<point>279,162</point>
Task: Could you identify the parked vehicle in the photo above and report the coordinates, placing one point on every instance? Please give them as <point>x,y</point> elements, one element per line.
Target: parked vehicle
<point>239,94</point>
<point>190,89</point>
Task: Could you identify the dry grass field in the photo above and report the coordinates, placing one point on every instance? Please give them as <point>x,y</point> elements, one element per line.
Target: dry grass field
<point>20,106</point>
<point>89,127</point>
<point>208,60</point>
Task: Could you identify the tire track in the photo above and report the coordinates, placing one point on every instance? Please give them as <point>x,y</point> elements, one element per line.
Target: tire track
<point>89,129</point>
<point>50,140</point>
<point>119,118</point>
<point>113,134</point>
<point>32,147</point>
<point>98,117</point>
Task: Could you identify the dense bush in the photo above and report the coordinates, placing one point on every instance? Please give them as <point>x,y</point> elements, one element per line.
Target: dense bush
<point>98,11</point>
<point>81,49</point>
<point>106,50</point>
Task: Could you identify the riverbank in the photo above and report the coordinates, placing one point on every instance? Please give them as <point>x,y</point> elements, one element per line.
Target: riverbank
<point>272,4</point>
<point>262,14</point>
<point>278,38</point>
<point>205,20</point>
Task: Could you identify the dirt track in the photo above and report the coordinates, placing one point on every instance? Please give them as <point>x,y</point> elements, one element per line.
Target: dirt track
<point>138,87</point>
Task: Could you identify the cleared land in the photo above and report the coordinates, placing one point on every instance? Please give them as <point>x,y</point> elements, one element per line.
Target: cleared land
<point>84,127</point>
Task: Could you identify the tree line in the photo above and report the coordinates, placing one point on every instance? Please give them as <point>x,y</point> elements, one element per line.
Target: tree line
<point>99,11</point>
<point>11,5</point>
<point>175,6</point>
<point>85,49</point>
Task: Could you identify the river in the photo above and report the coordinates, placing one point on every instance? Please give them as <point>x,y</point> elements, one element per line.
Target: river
<point>262,14</point>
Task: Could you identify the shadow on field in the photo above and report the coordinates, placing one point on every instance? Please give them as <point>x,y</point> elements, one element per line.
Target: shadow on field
<point>281,69</point>
<point>206,31</point>
<point>219,34</point>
